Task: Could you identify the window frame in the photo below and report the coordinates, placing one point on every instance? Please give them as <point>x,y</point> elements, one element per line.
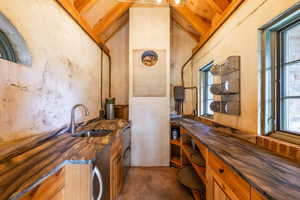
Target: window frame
<point>270,70</point>
<point>204,73</point>
<point>281,87</point>
<point>6,46</point>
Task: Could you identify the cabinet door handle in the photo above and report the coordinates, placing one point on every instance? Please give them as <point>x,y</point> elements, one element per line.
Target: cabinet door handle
<point>97,173</point>
<point>221,171</point>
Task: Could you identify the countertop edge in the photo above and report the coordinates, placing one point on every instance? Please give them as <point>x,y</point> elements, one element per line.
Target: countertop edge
<point>51,173</point>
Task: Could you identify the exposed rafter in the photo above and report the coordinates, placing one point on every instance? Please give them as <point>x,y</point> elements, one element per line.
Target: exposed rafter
<point>69,7</point>
<point>84,5</point>
<point>199,24</point>
<point>115,27</point>
<point>115,13</point>
<point>185,26</point>
<point>218,5</point>
<point>221,20</point>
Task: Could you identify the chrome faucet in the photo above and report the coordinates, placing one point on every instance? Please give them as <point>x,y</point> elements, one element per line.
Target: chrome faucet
<point>72,124</point>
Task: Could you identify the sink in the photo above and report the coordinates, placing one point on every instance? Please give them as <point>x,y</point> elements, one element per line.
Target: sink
<point>93,133</point>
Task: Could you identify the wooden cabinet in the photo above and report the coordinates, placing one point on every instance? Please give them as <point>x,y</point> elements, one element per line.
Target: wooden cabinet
<point>116,176</point>
<point>116,170</point>
<point>218,193</point>
<point>233,185</point>
<point>224,183</point>
<point>73,182</point>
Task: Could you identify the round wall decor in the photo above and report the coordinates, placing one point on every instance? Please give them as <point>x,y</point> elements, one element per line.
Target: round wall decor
<point>149,58</point>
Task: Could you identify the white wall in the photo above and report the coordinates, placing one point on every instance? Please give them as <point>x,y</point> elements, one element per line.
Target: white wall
<point>65,70</point>
<point>119,47</point>
<point>149,28</point>
<point>239,36</point>
<point>181,50</point>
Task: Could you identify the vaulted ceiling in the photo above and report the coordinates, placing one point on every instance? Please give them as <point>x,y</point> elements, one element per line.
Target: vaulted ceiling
<point>101,19</point>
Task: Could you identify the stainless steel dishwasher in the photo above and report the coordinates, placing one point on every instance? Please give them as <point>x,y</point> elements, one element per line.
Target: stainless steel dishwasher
<point>101,175</point>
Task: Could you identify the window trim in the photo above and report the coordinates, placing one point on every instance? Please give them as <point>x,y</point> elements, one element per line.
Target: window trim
<point>269,70</point>
<point>280,118</point>
<point>204,90</point>
<point>7,48</point>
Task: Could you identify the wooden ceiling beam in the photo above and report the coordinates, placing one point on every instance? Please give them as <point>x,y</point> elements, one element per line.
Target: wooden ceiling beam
<point>114,14</point>
<point>84,5</point>
<point>68,6</point>
<point>199,24</point>
<point>218,5</point>
<point>222,19</point>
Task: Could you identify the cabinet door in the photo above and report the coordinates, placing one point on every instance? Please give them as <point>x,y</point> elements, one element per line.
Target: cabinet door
<point>116,176</point>
<point>120,178</point>
<point>78,182</point>
<point>218,193</point>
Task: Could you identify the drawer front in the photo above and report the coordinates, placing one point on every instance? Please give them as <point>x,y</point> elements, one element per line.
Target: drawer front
<point>239,187</point>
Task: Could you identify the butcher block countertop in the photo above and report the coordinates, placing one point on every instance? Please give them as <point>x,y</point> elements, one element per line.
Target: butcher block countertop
<point>275,177</point>
<point>28,162</point>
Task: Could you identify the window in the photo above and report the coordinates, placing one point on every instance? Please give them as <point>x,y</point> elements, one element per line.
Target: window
<point>13,46</point>
<point>207,96</point>
<point>288,100</point>
<point>280,74</point>
<point>6,49</point>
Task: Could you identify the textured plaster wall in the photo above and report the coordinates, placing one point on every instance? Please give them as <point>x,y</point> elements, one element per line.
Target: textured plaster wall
<point>119,47</point>
<point>182,44</point>
<point>239,36</point>
<point>65,71</point>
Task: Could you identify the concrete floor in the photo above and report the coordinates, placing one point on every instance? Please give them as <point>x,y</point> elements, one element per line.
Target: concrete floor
<point>153,184</point>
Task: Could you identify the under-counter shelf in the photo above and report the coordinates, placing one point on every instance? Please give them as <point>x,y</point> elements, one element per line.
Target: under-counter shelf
<point>199,170</point>
<point>176,161</point>
<point>176,142</point>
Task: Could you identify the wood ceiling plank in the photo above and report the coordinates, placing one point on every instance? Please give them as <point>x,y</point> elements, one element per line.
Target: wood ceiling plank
<point>113,29</point>
<point>196,37</point>
<point>218,5</point>
<point>222,19</point>
<point>84,5</point>
<point>200,24</point>
<point>114,14</point>
<point>66,4</point>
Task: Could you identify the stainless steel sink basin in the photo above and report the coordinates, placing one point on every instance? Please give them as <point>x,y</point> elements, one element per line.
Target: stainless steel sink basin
<point>93,133</point>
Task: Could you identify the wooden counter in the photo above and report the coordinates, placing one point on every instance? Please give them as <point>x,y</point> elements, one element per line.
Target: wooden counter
<point>26,166</point>
<point>274,177</point>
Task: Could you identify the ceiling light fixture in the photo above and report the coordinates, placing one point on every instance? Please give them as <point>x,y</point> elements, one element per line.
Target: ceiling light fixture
<point>156,2</point>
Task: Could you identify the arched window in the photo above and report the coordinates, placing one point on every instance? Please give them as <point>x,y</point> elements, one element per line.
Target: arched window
<point>6,49</point>
<point>13,46</point>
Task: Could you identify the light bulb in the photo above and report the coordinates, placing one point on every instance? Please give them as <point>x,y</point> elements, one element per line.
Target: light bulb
<point>159,1</point>
<point>177,1</point>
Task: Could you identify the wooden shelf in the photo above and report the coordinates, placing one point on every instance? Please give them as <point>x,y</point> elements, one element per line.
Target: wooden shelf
<point>176,142</point>
<point>176,160</point>
<point>199,170</point>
